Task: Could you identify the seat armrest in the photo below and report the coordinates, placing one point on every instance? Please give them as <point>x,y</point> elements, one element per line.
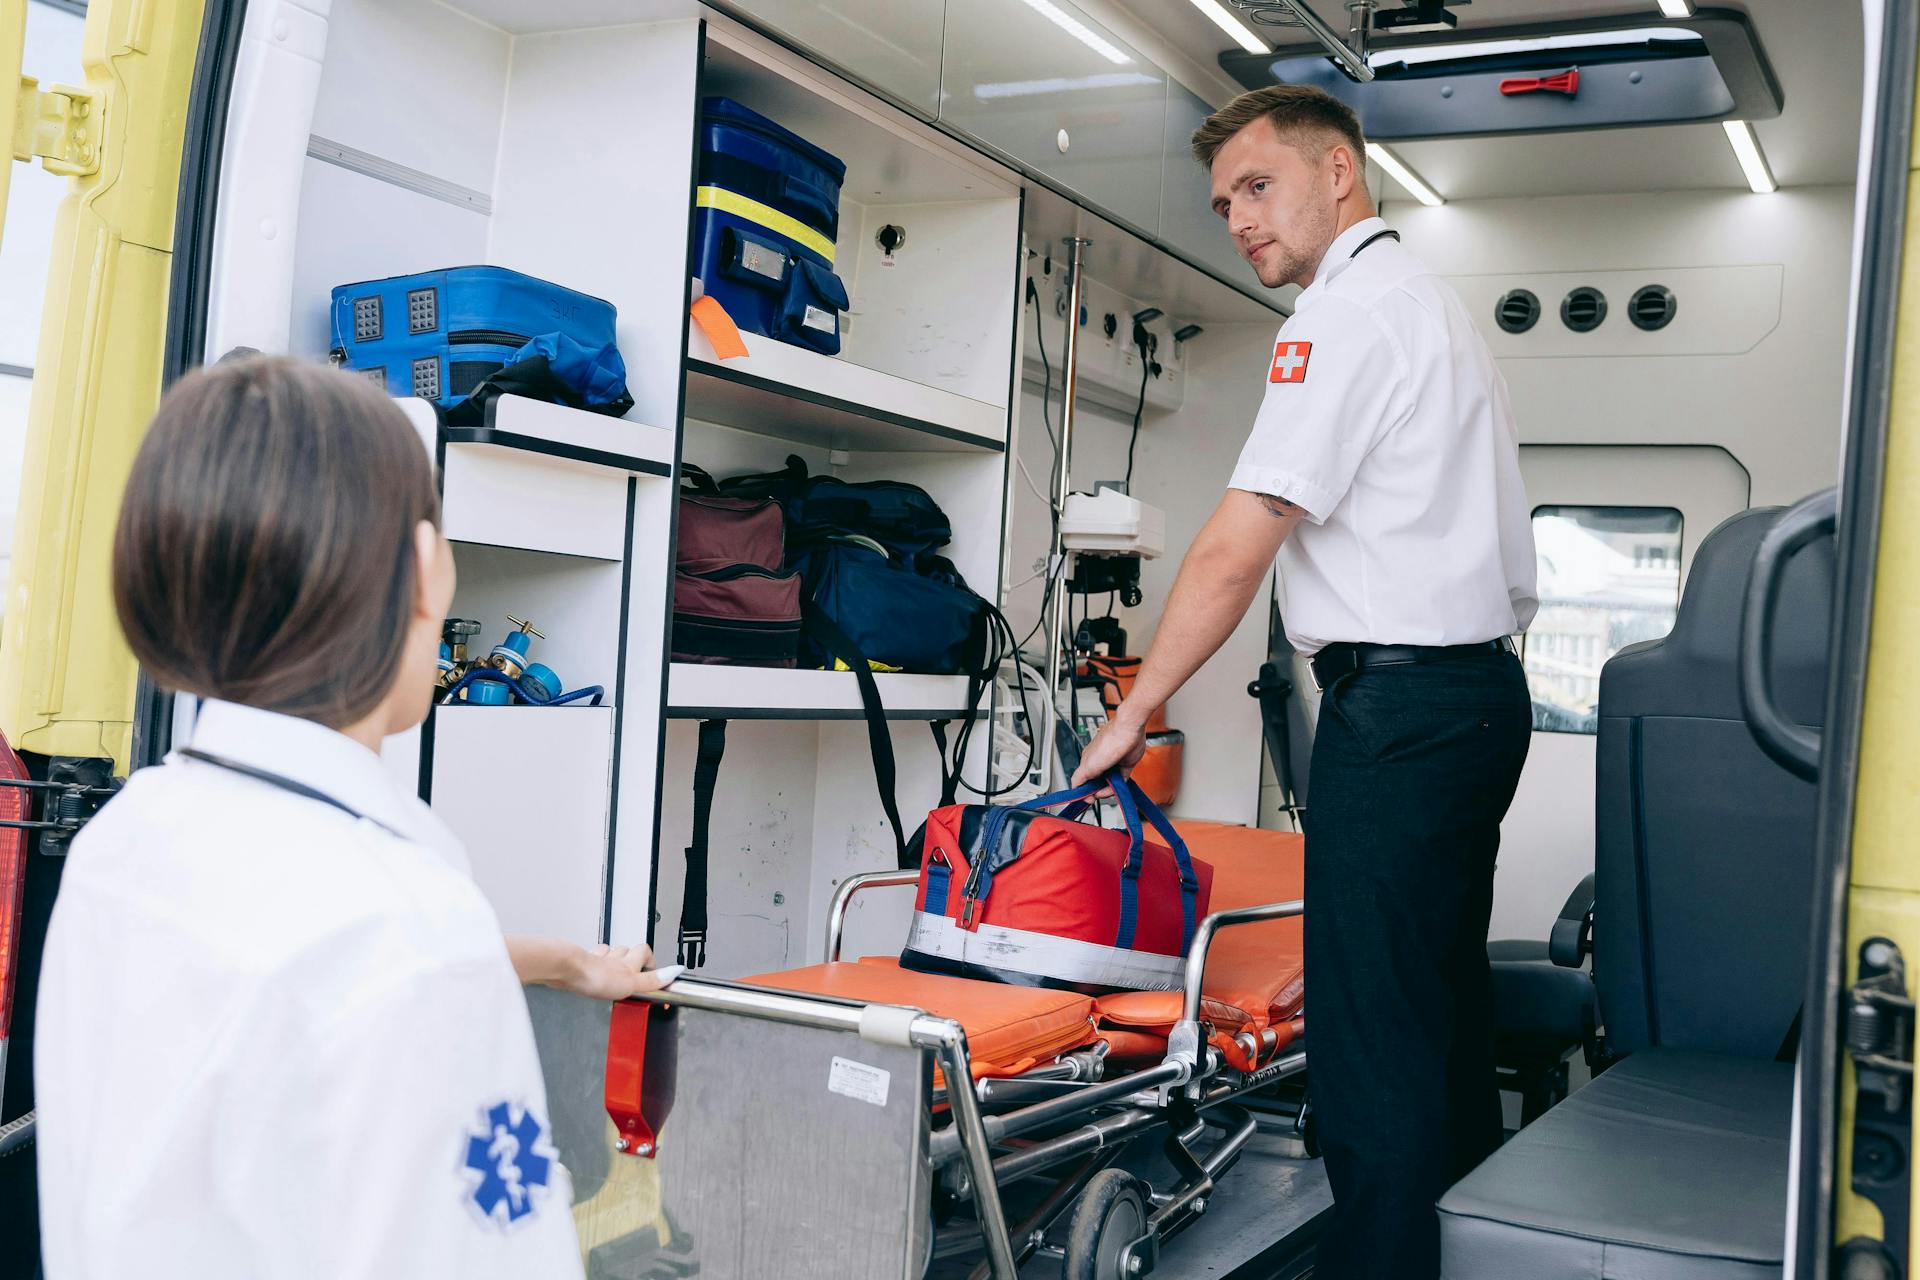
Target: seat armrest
<point>1572,939</point>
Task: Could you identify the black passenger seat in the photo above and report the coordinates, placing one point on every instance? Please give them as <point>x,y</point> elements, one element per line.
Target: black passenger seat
<point>1673,1164</point>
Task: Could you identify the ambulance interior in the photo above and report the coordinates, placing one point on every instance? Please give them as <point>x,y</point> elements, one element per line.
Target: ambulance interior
<point>1670,299</point>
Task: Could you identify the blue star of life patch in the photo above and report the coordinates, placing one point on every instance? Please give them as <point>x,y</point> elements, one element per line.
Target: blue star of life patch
<point>510,1168</point>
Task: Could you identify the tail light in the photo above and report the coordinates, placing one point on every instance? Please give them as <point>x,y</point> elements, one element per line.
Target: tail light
<point>14,805</point>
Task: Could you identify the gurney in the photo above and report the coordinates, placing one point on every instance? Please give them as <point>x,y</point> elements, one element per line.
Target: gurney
<point>805,1123</point>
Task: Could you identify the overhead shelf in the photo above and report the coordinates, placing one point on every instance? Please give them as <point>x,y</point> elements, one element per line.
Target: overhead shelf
<point>779,389</point>
<point>574,434</point>
<point>699,692</point>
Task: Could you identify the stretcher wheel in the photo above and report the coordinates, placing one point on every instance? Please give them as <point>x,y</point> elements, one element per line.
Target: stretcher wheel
<point>1111,1215</point>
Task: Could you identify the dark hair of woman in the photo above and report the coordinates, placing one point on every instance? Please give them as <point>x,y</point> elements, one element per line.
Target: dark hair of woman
<point>265,551</point>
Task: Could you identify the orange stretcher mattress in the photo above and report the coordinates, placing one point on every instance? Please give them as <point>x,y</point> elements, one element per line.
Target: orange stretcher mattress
<point>1009,1029</point>
<point>1255,976</point>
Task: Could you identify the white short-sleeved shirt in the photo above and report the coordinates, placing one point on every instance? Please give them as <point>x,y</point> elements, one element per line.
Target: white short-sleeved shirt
<point>1387,422</point>
<point>275,1040</point>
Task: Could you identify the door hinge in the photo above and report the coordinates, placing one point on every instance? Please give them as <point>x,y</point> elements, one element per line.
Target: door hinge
<point>74,790</point>
<point>59,125</point>
<point>1879,1039</point>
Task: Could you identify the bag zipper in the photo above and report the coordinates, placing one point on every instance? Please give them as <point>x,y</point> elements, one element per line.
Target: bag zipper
<point>487,337</point>
<point>990,829</point>
<point>743,570</point>
<point>735,624</point>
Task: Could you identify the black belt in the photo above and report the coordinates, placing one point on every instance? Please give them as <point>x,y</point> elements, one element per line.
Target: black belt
<point>1344,659</point>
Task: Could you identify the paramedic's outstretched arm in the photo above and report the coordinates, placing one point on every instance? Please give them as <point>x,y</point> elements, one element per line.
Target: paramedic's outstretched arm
<point>1226,565</point>
<point>603,973</point>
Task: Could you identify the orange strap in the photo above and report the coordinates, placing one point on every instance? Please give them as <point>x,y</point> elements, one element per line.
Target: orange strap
<point>719,327</point>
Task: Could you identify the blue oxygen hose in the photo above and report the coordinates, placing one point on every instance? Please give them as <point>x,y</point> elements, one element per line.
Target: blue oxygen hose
<point>531,694</point>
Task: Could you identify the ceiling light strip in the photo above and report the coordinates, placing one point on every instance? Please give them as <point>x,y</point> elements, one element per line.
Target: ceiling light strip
<point>1079,31</point>
<point>1405,176</point>
<point>1242,34</point>
<point>1676,8</point>
<point>1753,162</point>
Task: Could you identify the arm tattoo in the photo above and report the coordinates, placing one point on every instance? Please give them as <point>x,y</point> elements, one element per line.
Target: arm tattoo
<point>1278,508</point>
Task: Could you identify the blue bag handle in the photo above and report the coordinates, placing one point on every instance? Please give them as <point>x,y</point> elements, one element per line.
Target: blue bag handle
<point>1134,804</point>
<point>1081,792</point>
<point>804,193</point>
<point>1189,882</point>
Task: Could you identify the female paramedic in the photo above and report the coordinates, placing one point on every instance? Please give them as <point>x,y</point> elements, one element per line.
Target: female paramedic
<point>280,1033</point>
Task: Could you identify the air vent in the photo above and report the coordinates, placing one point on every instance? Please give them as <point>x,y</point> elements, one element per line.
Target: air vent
<point>1584,309</point>
<point>1651,307</point>
<point>1517,311</point>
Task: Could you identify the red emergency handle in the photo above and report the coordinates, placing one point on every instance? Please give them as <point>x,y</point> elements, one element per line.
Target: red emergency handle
<point>1567,82</point>
<point>641,1061</point>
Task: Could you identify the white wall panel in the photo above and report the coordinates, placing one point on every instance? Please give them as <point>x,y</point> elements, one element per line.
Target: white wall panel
<point>1181,465</point>
<point>422,86</point>
<point>1774,404</point>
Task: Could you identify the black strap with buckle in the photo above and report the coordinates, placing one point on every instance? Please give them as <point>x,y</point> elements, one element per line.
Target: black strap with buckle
<point>1337,660</point>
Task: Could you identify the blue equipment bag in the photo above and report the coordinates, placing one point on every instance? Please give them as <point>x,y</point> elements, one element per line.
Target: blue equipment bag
<point>926,621</point>
<point>440,334</point>
<point>767,211</point>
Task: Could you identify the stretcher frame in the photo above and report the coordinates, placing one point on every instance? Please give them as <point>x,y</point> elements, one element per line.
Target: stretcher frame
<point>1192,1089</point>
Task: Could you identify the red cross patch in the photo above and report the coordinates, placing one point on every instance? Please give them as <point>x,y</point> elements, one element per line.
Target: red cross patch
<point>1290,361</point>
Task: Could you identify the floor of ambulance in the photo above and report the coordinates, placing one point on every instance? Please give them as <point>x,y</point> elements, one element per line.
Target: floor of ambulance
<point>1258,1225</point>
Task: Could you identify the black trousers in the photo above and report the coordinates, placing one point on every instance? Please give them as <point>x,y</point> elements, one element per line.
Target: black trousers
<point>1413,769</point>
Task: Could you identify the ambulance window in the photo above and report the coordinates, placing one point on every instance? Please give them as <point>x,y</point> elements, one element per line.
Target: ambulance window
<point>1609,577</point>
<point>53,53</point>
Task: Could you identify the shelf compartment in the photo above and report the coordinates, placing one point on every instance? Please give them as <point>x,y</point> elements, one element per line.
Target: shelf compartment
<point>575,435</point>
<point>538,847</point>
<point>700,692</point>
<point>779,389</point>
<point>541,477</point>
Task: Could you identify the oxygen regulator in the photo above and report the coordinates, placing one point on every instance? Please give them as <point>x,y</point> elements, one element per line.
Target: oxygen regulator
<point>506,677</point>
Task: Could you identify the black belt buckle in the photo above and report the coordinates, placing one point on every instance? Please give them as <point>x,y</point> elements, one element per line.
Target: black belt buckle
<point>1322,665</point>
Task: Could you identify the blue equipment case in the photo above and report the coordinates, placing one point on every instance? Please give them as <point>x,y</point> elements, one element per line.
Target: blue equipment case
<point>767,211</point>
<point>439,334</point>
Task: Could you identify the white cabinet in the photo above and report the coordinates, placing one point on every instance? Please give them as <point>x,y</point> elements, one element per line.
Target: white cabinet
<point>568,150</point>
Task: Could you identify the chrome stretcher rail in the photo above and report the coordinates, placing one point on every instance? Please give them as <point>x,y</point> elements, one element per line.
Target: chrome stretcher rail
<point>973,1137</point>
<point>883,1024</point>
<point>837,911</point>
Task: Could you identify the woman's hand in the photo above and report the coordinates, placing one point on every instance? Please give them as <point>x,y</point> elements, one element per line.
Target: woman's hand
<point>599,973</point>
<point>1119,745</point>
<point>614,973</point>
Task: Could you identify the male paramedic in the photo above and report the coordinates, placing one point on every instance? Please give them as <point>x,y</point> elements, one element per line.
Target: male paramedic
<point>1383,471</point>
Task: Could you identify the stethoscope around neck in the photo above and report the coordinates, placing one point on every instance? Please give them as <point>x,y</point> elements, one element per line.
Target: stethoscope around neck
<point>1388,234</point>
<point>283,783</point>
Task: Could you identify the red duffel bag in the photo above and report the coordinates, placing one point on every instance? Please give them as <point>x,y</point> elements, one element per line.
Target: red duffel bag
<point>1023,896</point>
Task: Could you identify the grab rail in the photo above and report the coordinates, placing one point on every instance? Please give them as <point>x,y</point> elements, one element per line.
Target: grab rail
<point>837,912</point>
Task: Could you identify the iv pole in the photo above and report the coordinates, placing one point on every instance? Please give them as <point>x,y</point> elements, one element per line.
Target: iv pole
<point>1057,613</point>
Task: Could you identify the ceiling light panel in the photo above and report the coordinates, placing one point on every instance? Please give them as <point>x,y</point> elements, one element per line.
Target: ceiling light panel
<point>1403,174</point>
<point>1753,161</point>
<point>1242,34</point>
<point>1079,30</point>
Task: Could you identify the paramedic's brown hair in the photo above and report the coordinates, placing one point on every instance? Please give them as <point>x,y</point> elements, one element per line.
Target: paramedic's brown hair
<point>1309,118</point>
<point>265,551</point>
